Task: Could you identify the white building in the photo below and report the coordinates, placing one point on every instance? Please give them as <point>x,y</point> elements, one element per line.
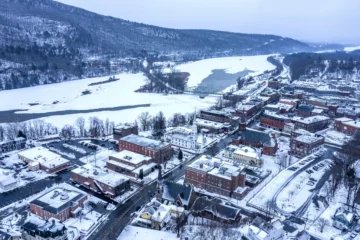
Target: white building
<point>243,154</point>
<point>183,137</point>
<point>7,182</point>
<point>259,229</point>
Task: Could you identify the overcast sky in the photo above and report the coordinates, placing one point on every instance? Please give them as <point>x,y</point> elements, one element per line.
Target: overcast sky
<point>307,20</point>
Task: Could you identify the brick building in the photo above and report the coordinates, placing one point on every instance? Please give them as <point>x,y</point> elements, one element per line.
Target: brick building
<point>59,203</point>
<point>248,110</point>
<point>212,175</point>
<point>304,145</point>
<point>347,125</point>
<point>106,182</point>
<point>273,120</point>
<point>258,139</point>
<point>130,163</point>
<point>311,124</point>
<point>216,116</point>
<point>124,130</point>
<point>157,150</point>
<point>271,94</point>
<point>292,102</point>
<point>317,102</point>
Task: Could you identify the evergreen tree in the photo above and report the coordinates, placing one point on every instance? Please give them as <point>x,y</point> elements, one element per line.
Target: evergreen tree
<point>180,156</point>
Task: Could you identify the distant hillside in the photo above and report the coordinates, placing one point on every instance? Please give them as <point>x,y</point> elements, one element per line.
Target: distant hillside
<point>43,41</point>
<point>326,65</point>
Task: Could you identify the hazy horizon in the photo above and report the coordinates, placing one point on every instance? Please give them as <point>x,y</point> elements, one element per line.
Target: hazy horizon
<point>319,21</point>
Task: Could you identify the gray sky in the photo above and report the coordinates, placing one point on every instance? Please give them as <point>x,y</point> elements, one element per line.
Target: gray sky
<point>307,20</point>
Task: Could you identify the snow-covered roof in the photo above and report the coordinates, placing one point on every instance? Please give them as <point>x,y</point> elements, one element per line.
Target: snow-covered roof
<point>144,142</point>
<point>105,176</point>
<point>140,233</point>
<point>308,138</point>
<point>162,214</point>
<point>35,223</point>
<point>131,157</point>
<point>343,119</point>
<point>211,124</point>
<point>247,151</point>
<point>38,154</point>
<point>205,163</point>
<point>58,199</point>
<point>7,180</point>
<point>275,115</point>
<point>226,171</point>
<point>144,167</point>
<point>312,119</point>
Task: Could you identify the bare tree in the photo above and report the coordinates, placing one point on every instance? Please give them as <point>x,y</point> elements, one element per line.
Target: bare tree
<point>321,223</point>
<point>80,124</point>
<point>144,119</point>
<point>67,131</point>
<point>12,130</point>
<point>107,127</point>
<point>2,133</point>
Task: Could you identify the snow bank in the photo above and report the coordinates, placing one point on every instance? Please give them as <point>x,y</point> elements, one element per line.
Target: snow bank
<point>350,49</point>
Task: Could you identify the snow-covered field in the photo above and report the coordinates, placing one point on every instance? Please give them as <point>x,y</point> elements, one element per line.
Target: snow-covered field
<point>350,49</point>
<point>121,93</point>
<point>201,69</point>
<point>114,94</point>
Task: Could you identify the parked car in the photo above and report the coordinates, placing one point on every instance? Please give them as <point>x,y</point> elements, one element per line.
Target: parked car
<point>310,183</point>
<point>357,229</point>
<point>353,234</point>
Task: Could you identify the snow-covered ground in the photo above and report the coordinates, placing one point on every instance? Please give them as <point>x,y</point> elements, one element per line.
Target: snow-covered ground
<point>350,49</point>
<point>140,233</point>
<point>114,94</point>
<point>201,69</point>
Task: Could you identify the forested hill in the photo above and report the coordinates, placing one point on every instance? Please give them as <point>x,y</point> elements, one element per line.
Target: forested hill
<point>44,41</point>
<point>329,64</point>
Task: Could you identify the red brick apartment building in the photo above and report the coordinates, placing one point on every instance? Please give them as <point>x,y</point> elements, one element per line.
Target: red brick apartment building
<point>274,120</point>
<point>59,203</point>
<point>102,181</point>
<point>311,124</point>
<point>157,150</point>
<point>216,116</point>
<point>124,130</point>
<point>210,174</point>
<point>347,125</point>
<point>304,145</point>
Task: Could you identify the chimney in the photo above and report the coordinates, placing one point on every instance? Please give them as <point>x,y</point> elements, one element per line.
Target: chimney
<point>201,165</point>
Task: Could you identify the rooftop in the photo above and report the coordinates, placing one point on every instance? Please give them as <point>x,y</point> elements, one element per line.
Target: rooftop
<point>106,176</point>
<point>252,135</point>
<point>211,124</point>
<point>38,154</point>
<point>35,223</point>
<point>144,142</point>
<point>130,157</point>
<point>58,199</point>
<point>312,119</point>
<point>308,138</point>
<point>247,151</point>
<point>205,163</point>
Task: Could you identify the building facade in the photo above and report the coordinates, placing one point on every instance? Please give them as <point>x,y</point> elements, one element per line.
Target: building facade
<point>347,125</point>
<point>11,145</point>
<point>243,154</point>
<point>211,175</point>
<point>311,124</point>
<point>182,137</point>
<point>125,130</point>
<point>157,150</point>
<point>58,203</point>
<point>304,145</point>
<point>105,182</point>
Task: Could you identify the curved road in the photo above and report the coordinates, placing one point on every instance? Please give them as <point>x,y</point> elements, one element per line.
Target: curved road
<point>300,210</point>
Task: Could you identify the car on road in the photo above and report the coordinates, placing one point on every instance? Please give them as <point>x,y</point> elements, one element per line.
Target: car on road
<point>310,183</point>
<point>353,234</point>
<point>357,229</point>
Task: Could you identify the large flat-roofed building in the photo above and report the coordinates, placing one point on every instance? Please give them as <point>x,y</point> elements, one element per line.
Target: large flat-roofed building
<point>124,130</point>
<point>211,126</point>
<point>304,145</point>
<point>273,120</point>
<point>216,116</point>
<point>157,150</point>
<point>58,203</point>
<point>347,125</point>
<point>103,181</point>
<point>42,158</point>
<point>311,124</point>
<point>130,163</point>
<point>212,175</point>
